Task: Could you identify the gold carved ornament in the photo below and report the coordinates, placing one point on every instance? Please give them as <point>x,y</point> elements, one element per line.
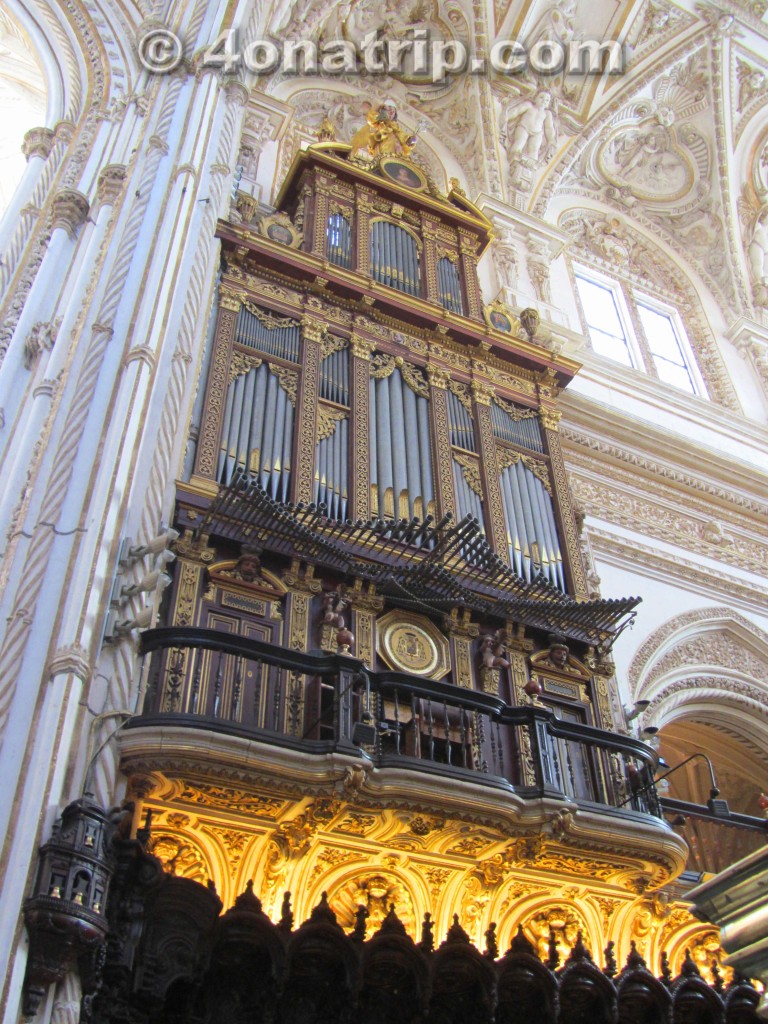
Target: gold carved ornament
<point>471,471</point>
<point>506,458</point>
<point>328,419</point>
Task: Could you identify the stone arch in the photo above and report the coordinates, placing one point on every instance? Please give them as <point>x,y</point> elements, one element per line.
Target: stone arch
<point>704,673</point>
<point>643,669</point>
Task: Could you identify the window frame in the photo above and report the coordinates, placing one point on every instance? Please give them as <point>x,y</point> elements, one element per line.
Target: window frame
<point>628,299</point>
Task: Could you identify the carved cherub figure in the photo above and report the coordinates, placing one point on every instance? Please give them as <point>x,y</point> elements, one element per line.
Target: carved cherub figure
<point>530,122</point>
<point>333,608</point>
<point>492,651</point>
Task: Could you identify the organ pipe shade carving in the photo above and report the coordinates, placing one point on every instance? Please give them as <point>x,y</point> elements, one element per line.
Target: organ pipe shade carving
<point>331,462</point>
<point>449,285</point>
<point>394,257</point>
<point>334,377</point>
<point>257,432</point>
<point>338,236</point>
<point>534,546</point>
<point>401,465</point>
<point>519,426</point>
<point>274,335</point>
<point>460,424</point>
<point>468,501</point>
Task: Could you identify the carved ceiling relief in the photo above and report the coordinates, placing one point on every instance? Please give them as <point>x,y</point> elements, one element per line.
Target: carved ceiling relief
<point>375,891</point>
<point>557,926</point>
<point>753,215</point>
<point>657,24</point>
<point>654,159</point>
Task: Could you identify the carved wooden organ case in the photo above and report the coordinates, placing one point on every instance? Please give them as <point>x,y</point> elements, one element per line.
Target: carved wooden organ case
<point>358,398</point>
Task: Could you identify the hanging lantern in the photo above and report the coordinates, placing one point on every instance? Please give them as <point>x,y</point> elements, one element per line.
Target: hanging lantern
<point>65,915</point>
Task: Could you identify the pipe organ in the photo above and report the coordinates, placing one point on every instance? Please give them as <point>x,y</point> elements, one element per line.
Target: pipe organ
<point>377,694</point>
<point>318,400</point>
<point>401,448</point>
<point>449,284</point>
<point>394,257</point>
<point>339,240</point>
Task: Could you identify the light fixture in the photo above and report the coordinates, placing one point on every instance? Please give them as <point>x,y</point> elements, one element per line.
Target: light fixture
<point>118,629</point>
<point>154,546</point>
<point>156,580</point>
<point>631,713</point>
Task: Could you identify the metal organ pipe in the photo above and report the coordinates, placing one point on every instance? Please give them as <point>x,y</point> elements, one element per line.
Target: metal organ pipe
<point>531,521</point>
<point>281,341</point>
<point>257,431</point>
<point>400,449</point>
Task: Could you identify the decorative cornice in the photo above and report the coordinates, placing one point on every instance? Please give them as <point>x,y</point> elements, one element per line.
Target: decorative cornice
<point>630,551</point>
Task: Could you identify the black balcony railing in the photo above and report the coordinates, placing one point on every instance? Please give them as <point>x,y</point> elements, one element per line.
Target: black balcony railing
<point>320,703</point>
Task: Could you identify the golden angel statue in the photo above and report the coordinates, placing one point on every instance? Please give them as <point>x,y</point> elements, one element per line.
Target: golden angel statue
<point>382,135</point>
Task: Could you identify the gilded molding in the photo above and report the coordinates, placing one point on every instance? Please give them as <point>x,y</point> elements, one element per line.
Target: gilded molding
<point>244,362</point>
<point>306,416</point>
<point>441,447</point>
<point>490,475</point>
<point>215,391</point>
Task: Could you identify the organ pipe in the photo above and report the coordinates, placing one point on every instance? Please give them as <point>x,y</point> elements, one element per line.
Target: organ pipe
<point>524,430</point>
<point>394,257</point>
<point>338,234</point>
<point>449,285</point>
<point>460,425</point>
<point>401,466</point>
<point>331,471</point>
<point>257,432</point>
<point>531,530</point>
<point>334,377</point>
<point>269,334</point>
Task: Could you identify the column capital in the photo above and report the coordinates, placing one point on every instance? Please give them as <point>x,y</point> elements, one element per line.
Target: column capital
<point>110,184</point>
<point>361,347</point>
<point>550,418</point>
<point>483,394</point>
<point>312,329</point>
<point>70,209</point>
<point>437,376</point>
<point>38,142</point>
<point>230,299</point>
